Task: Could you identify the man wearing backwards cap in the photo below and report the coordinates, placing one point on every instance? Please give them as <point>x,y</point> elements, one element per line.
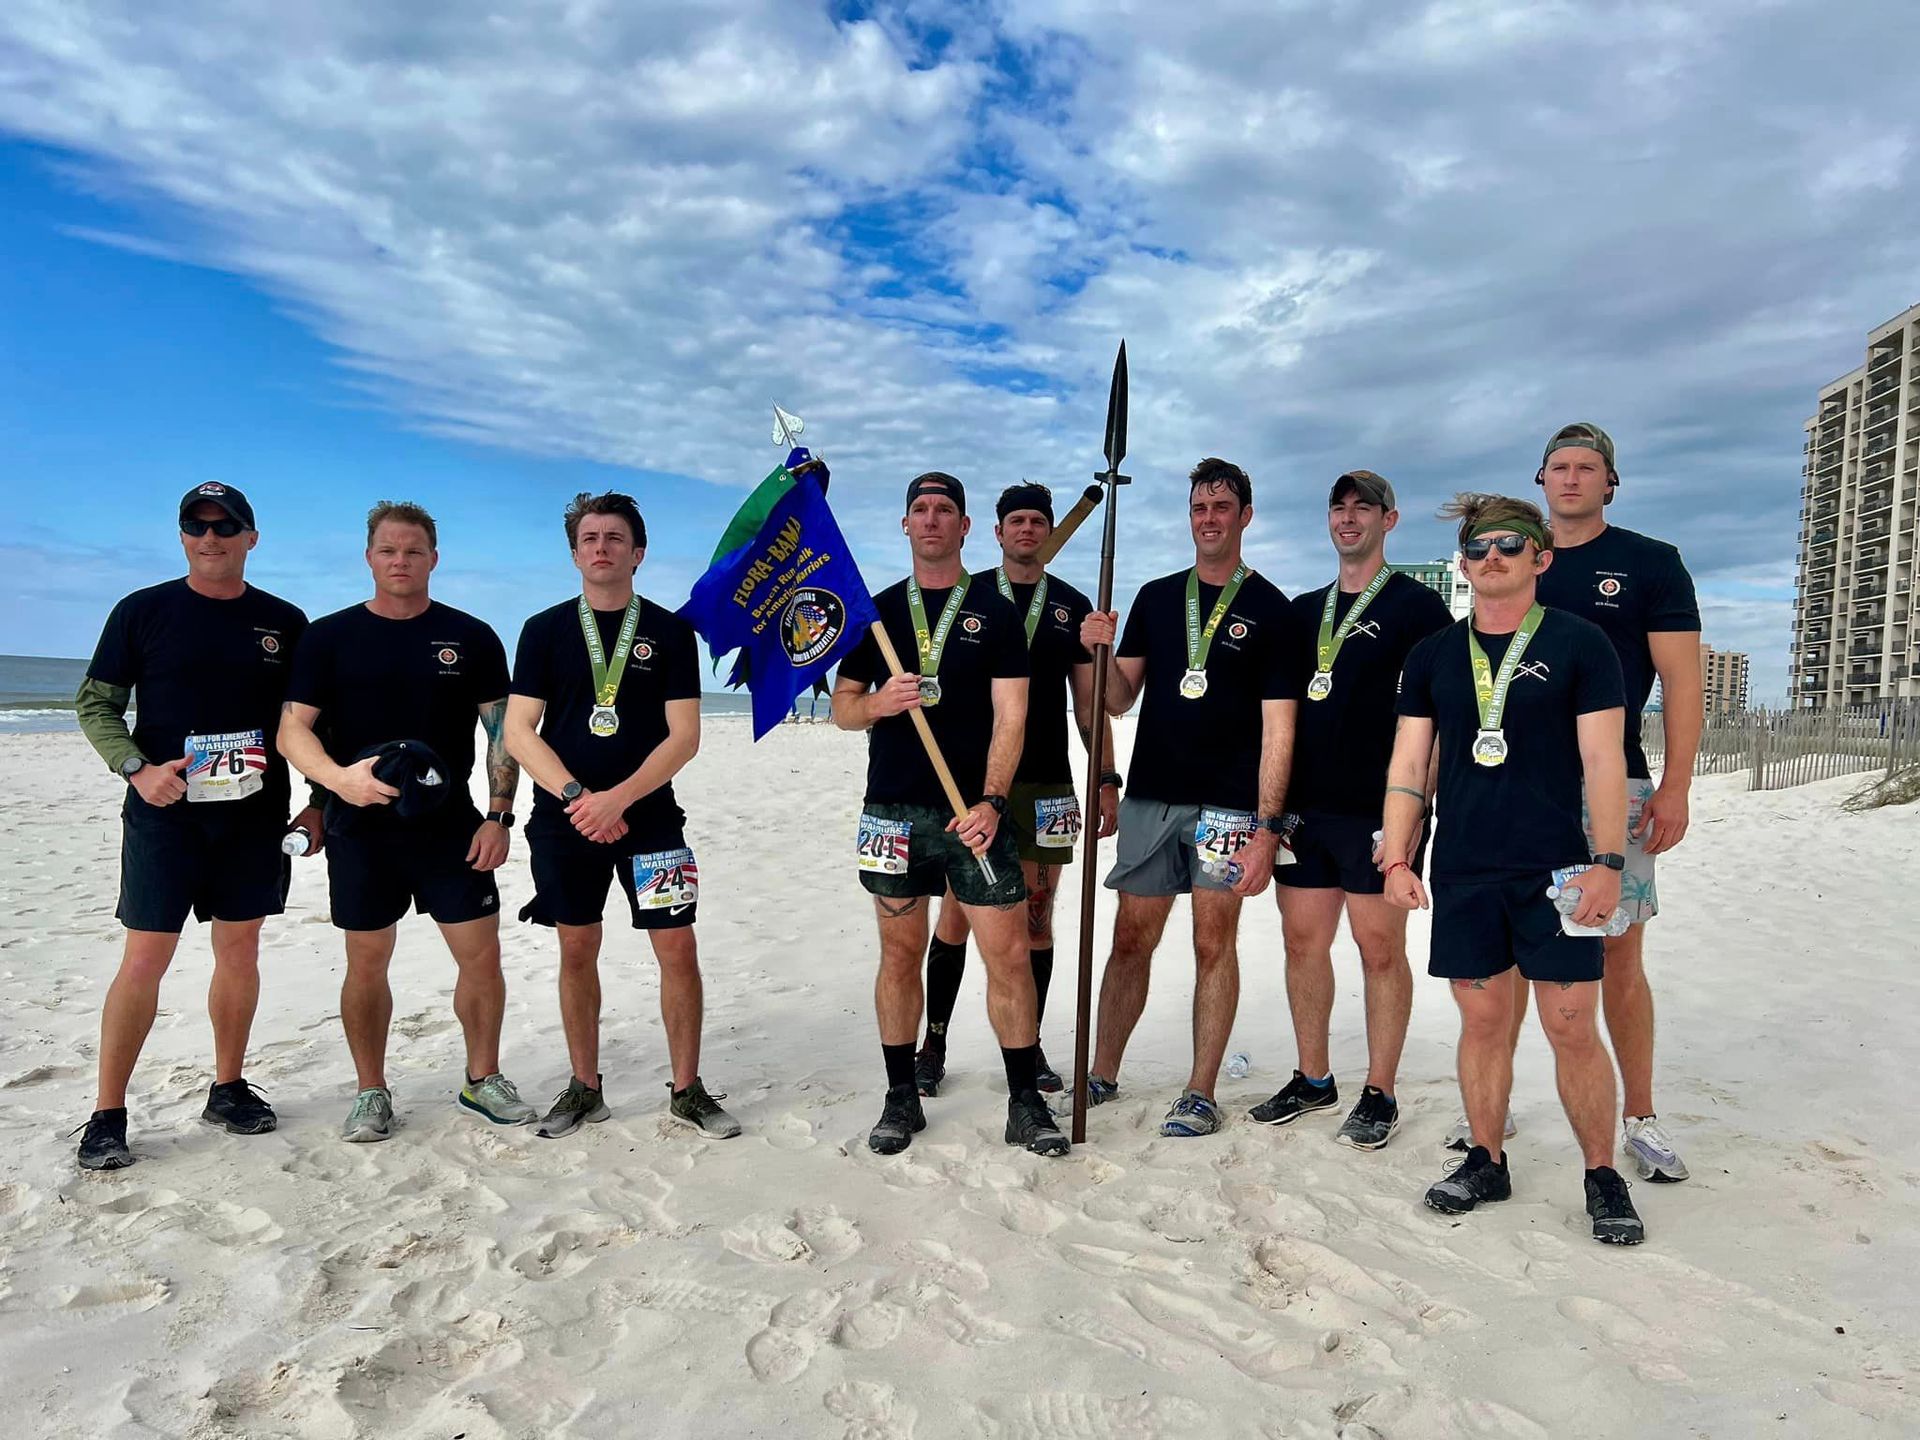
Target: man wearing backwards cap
<point>381,711</point>
<point>1043,808</point>
<point>1357,631</point>
<point>1526,704</point>
<point>969,648</point>
<point>206,799</point>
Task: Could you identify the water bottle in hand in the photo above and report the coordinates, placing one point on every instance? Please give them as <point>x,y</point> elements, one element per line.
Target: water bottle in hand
<point>296,841</point>
<point>1566,899</point>
<point>1239,1065</point>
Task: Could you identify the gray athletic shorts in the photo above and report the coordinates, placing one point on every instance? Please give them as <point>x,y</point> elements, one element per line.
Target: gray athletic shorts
<point>1637,894</point>
<point>1154,852</point>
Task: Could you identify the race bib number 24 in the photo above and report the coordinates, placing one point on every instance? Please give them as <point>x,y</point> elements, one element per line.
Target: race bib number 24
<point>666,880</point>
<point>228,766</point>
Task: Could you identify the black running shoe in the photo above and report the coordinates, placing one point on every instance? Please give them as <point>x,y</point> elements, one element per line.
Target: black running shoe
<point>104,1146</point>
<point>929,1068</point>
<point>238,1108</point>
<point>1297,1099</point>
<point>899,1119</point>
<point>1030,1123</point>
<point>1471,1181</point>
<point>1047,1079</point>
<point>1371,1122</point>
<point>1615,1221</point>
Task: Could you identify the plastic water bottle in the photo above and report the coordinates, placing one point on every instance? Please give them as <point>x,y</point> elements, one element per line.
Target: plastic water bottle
<point>1228,871</point>
<point>296,841</point>
<point>1239,1065</point>
<point>1566,899</point>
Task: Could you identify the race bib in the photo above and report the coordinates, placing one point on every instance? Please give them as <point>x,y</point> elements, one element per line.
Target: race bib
<point>666,880</point>
<point>230,766</point>
<point>1056,823</point>
<point>882,846</point>
<point>1220,834</point>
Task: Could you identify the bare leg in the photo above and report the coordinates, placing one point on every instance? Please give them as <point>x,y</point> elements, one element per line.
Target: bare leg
<point>1520,993</point>
<point>132,1001</point>
<point>234,994</point>
<point>897,993</point>
<point>952,925</point>
<point>1581,1064</point>
<point>1309,920</point>
<point>479,990</point>
<point>366,1004</point>
<point>682,1000</point>
<point>1011,1007</point>
<point>1123,988</point>
<point>1380,930</point>
<point>1216,983</point>
<point>1628,1002</point>
<point>1486,1056</point>
<point>580,999</point>
<point>1040,878</point>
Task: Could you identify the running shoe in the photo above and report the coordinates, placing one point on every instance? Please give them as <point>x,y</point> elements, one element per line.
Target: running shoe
<point>1047,1079</point>
<point>579,1104</point>
<point>1615,1221</point>
<point>238,1108</point>
<point>1100,1091</point>
<point>371,1118</point>
<point>1460,1137</point>
<point>1470,1181</point>
<point>694,1106</point>
<point>1374,1118</point>
<point>1299,1097</point>
<point>1193,1114</point>
<point>900,1117</point>
<point>104,1146</point>
<point>496,1098</point>
<point>1030,1123</point>
<point>929,1068</point>
<point>1651,1150</point>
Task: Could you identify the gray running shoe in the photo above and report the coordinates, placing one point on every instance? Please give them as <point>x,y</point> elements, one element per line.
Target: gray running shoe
<point>1372,1122</point>
<point>694,1106</point>
<point>1460,1137</point>
<point>371,1117</point>
<point>1299,1096</point>
<point>1651,1150</point>
<point>579,1104</point>
<point>1100,1091</point>
<point>1469,1182</point>
<point>497,1098</point>
<point>1193,1114</point>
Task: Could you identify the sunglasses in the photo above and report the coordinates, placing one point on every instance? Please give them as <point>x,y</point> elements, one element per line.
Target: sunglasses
<point>1477,548</point>
<point>226,527</point>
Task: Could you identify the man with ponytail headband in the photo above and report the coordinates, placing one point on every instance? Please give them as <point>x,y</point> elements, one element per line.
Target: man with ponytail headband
<point>1527,704</point>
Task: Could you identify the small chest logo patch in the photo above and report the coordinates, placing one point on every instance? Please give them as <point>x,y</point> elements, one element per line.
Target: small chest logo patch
<point>1532,670</point>
<point>1238,630</point>
<point>1610,587</point>
<point>642,651</point>
<point>1060,613</point>
<point>971,624</point>
<point>447,655</point>
<point>270,644</point>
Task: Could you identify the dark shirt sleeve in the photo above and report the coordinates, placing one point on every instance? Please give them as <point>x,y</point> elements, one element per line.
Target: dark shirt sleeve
<point>683,666</point>
<point>530,677</point>
<point>1078,654</point>
<point>1280,678</point>
<point>1674,605</point>
<point>490,675</point>
<point>116,657</point>
<point>1597,682</point>
<point>1416,681</point>
<point>310,682</point>
<point>1431,614</point>
<point>1009,659</point>
<point>863,663</point>
<point>1135,633</point>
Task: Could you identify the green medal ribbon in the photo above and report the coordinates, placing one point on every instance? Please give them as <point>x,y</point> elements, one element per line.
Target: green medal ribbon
<point>606,677</point>
<point>1331,638</point>
<point>1490,690</point>
<point>933,645</point>
<point>1034,608</point>
<point>1200,640</point>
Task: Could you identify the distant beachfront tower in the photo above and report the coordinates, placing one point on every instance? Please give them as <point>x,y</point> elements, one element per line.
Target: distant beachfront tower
<point>1723,675</point>
<point>1443,577</point>
<point>1856,638</point>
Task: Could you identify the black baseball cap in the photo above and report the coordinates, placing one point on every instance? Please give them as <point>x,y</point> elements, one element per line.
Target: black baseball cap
<point>225,496</point>
<point>937,482</point>
<point>1371,488</point>
<point>414,769</point>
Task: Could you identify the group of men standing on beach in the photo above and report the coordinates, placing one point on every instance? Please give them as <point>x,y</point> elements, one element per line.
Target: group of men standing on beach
<point>1307,743</point>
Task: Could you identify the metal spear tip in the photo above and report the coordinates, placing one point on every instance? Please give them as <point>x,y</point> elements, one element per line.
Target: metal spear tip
<point>1117,411</point>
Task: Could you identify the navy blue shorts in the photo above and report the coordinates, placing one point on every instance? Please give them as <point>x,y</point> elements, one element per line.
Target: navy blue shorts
<point>571,875</point>
<point>1335,852</point>
<point>1483,930</point>
<point>205,865</point>
<point>381,868</point>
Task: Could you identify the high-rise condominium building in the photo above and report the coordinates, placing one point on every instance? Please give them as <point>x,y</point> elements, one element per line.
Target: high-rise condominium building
<point>1723,675</point>
<point>1443,577</point>
<point>1854,627</point>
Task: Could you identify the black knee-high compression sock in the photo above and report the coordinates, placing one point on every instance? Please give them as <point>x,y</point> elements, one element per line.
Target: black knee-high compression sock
<point>1022,1068</point>
<point>1042,977</point>
<point>899,1065</point>
<point>946,963</point>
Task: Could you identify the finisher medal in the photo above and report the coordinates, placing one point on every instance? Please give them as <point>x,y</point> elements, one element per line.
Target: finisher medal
<point>1320,686</point>
<point>1193,684</point>
<point>1490,688</point>
<point>933,643</point>
<point>1332,637</point>
<point>929,690</point>
<point>604,721</point>
<point>1490,748</point>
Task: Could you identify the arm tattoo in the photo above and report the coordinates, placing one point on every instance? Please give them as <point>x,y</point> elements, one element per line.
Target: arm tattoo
<point>503,771</point>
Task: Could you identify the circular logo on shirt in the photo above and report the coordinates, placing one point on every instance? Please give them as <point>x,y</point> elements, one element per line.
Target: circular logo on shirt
<point>971,624</point>
<point>448,655</point>
<point>1060,613</point>
<point>1610,587</point>
<point>270,644</point>
<point>813,620</point>
<point>1238,630</point>
<point>643,651</point>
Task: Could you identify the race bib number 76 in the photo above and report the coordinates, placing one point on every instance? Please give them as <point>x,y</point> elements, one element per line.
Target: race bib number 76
<point>228,766</point>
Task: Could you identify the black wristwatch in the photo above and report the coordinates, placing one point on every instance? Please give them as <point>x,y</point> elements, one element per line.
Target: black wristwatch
<point>570,791</point>
<point>998,802</point>
<point>1611,859</point>
<point>502,818</point>
<point>132,766</point>
<point>1272,824</point>
<point>1110,777</point>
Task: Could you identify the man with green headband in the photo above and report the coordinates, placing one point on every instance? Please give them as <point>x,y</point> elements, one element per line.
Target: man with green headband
<point>1527,706</point>
<point>1362,627</point>
<point>604,712</point>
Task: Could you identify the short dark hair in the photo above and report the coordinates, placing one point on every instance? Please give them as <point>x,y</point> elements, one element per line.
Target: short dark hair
<point>402,512</point>
<point>1477,512</point>
<point>1215,471</point>
<point>611,502</point>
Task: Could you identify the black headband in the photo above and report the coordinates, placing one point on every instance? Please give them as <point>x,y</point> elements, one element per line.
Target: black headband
<point>1024,496</point>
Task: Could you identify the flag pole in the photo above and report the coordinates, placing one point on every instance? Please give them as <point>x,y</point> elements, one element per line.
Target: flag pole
<point>1070,522</point>
<point>1110,480</point>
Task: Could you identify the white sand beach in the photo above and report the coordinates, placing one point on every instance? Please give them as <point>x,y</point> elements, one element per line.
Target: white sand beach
<point>468,1281</point>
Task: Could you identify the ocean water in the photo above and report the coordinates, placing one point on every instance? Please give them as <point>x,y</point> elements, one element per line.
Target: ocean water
<point>36,696</point>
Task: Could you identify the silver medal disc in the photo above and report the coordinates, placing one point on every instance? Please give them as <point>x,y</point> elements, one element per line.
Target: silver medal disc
<point>1320,686</point>
<point>604,721</point>
<point>929,690</point>
<point>1193,684</point>
<point>1490,748</point>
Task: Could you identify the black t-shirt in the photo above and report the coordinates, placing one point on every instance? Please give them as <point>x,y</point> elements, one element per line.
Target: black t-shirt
<point>1629,585</point>
<point>1521,818</point>
<point>552,665</point>
<point>1055,650</point>
<point>375,680</point>
<point>215,670</point>
<point>1342,744</point>
<point>986,643</point>
<point>1207,751</point>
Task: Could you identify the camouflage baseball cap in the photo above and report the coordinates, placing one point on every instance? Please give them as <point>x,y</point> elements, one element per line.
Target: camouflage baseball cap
<point>1371,488</point>
<point>1587,437</point>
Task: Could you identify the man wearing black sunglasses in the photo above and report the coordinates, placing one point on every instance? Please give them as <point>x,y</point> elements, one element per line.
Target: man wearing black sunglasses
<point>206,802</point>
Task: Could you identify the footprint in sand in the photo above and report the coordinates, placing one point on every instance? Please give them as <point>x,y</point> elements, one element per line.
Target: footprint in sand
<point>133,1295</point>
<point>872,1411</point>
<point>568,1245</point>
<point>1649,1353</point>
<point>1092,1417</point>
<point>780,1356</point>
<point>1018,1211</point>
<point>869,1326</point>
<point>789,1133</point>
<point>804,1236</point>
<point>939,1263</point>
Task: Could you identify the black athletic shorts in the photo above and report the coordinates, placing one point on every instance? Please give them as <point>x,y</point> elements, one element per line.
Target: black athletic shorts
<point>905,851</point>
<point>1484,930</point>
<point>655,869</point>
<point>1335,852</point>
<point>201,864</point>
<point>377,871</point>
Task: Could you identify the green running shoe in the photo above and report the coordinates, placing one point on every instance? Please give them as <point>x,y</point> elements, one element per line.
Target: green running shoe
<point>579,1104</point>
<point>371,1118</point>
<point>694,1106</point>
<point>496,1098</point>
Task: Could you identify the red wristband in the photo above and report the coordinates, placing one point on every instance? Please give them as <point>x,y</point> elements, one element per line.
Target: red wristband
<point>1387,874</point>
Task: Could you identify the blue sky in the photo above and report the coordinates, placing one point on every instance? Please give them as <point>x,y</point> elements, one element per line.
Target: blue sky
<point>483,261</point>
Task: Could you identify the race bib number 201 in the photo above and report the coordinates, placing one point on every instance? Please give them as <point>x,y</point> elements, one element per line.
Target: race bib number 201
<point>883,844</point>
<point>1220,834</point>
<point>666,880</point>
<point>228,766</point>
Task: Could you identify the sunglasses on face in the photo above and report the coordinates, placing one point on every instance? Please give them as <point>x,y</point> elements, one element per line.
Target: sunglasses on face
<point>226,527</point>
<point>1477,548</point>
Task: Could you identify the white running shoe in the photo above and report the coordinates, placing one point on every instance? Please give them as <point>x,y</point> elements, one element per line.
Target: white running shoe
<point>371,1119</point>
<point>1650,1148</point>
<point>1460,1137</point>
